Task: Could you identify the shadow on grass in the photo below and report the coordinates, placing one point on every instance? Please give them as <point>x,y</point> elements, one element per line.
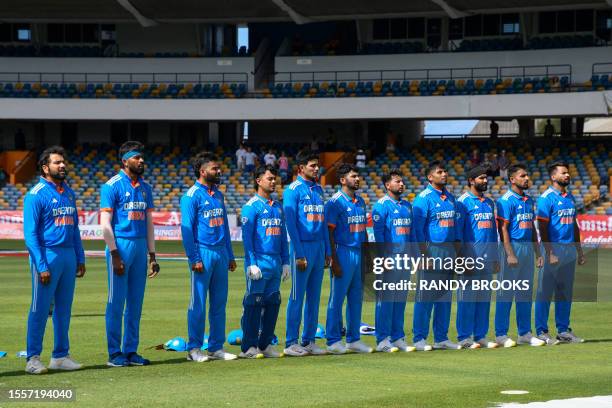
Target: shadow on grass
<point>598,341</point>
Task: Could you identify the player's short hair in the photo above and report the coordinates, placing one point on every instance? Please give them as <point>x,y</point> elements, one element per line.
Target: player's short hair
<point>513,168</point>
<point>344,169</point>
<point>200,160</point>
<point>386,177</point>
<point>436,164</point>
<point>306,156</point>
<point>128,147</point>
<point>45,156</point>
<point>553,166</point>
<point>261,170</point>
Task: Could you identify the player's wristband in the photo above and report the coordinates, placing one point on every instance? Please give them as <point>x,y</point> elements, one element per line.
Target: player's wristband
<point>152,256</point>
<point>114,252</point>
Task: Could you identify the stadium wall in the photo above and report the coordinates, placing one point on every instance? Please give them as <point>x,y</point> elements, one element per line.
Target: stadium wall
<point>589,104</point>
<point>161,38</point>
<point>581,60</point>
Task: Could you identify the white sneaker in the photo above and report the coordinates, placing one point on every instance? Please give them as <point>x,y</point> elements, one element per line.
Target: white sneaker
<point>446,345</point>
<point>271,352</point>
<point>485,343</point>
<point>64,363</point>
<point>221,355</point>
<point>422,345</point>
<point>530,339</point>
<point>402,346</point>
<point>359,347</point>
<point>252,352</point>
<point>196,355</point>
<point>35,366</point>
<point>385,346</point>
<point>315,350</point>
<point>505,341</point>
<point>469,344</point>
<point>295,350</point>
<point>545,337</point>
<point>337,348</point>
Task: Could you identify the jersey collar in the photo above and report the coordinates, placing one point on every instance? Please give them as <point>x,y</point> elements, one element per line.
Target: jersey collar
<point>558,192</point>
<point>270,202</point>
<point>129,180</point>
<point>481,199</point>
<point>393,200</point>
<point>349,199</point>
<point>310,184</point>
<point>523,197</point>
<point>443,194</point>
<point>60,189</point>
<point>211,192</point>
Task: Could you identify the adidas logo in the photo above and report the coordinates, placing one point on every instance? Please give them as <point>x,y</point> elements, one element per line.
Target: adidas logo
<point>559,203</point>
<point>206,202</point>
<point>476,207</point>
<point>520,206</point>
<point>265,211</point>
<point>54,201</point>
<point>307,197</point>
<point>437,204</point>
<point>349,209</point>
<point>396,212</point>
<point>127,193</point>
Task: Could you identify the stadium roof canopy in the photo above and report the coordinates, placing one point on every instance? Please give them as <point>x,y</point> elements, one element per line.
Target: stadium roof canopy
<point>241,11</point>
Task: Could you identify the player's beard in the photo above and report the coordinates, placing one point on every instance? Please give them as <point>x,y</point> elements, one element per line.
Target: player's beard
<point>58,175</point>
<point>213,178</point>
<point>482,187</point>
<point>138,170</point>
<point>563,183</point>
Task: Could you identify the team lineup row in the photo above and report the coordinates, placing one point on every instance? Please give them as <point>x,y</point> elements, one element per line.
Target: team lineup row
<point>298,240</point>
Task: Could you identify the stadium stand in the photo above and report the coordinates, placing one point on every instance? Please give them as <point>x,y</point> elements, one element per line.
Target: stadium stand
<point>92,51</point>
<point>169,173</point>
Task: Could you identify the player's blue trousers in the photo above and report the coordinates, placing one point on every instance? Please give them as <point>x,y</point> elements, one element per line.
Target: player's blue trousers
<point>348,286</point>
<point>474,305</point>
<point>436,301</point>
<point>60,290</point>
<point>125,295</point>
<point>212,282</point>
<point>261,303</point>
<point>558,281</point>
<point>305,284</point>
<point>390,308</point>
<point>523,299</point>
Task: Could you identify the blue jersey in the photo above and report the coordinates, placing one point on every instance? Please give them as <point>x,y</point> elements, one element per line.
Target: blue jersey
<point>476,221</point>
<point>129,203</point>
<point>559,211</point>
<point>518,212</point>
<point>263,230</point>
<point>392,221</point>
<point>204,221</point>
<point>50,219</point>
<point>349,218</point>
<point>435,216</point>
<point>305,214</point>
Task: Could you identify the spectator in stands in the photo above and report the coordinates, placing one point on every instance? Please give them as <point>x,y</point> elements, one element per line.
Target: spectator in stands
<point>503,163</point>
<point>283,167</point>
<point>391,142</point>
<point>331,140</point>
<point>549,130</point>
<point>495,165</point>
<point>314,145</point>
<point>3,177</point>
<point>241,157</point>
<point>475,159</point>
<point>270,158</point>
<point>494,129</point>
<point>249,159</point>
<point>486,162</point>
<point>360,159</point>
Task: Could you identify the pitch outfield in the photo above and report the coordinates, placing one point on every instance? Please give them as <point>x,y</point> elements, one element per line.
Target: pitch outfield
<point>432,379</point>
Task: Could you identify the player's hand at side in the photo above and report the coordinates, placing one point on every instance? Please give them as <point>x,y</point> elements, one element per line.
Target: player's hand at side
<point>253,272</point>
<point>80,272</point>
<point>232,265</point>
<point>336,270</point>
<point>512,261</point>
<point>540,261</point>
<point>301,264</point>
<point>153,265</point>
<point>581,259</point>
<point>197,267</point>
<point>45,277</point>
<point>286,272</point>
<point>496,267</point>
<point>553,259</point>
<point>118,266</point>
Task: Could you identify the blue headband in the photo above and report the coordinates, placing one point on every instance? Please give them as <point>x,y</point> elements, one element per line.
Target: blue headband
<point>131,154</point>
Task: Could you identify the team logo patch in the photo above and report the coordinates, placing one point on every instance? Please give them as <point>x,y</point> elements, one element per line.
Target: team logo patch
<point>376,217</point>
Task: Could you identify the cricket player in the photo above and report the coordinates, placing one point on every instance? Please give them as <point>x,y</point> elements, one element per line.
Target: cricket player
<point>126,202</point>
<point>345,214</point>
<point>51,230</point>
<point>476,222</point>
<point>559,232</point>
<point>309,252</point>
<point>266,254</point>
<point>392,219</point>
<point>515,213</point>
<point>434,213</point>
<point>208,245</point>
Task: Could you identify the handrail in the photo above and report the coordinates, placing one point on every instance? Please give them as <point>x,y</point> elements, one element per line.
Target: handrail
<point>125,77</point>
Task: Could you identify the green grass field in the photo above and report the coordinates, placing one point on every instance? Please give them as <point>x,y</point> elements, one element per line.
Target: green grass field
<point>436,379</point>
